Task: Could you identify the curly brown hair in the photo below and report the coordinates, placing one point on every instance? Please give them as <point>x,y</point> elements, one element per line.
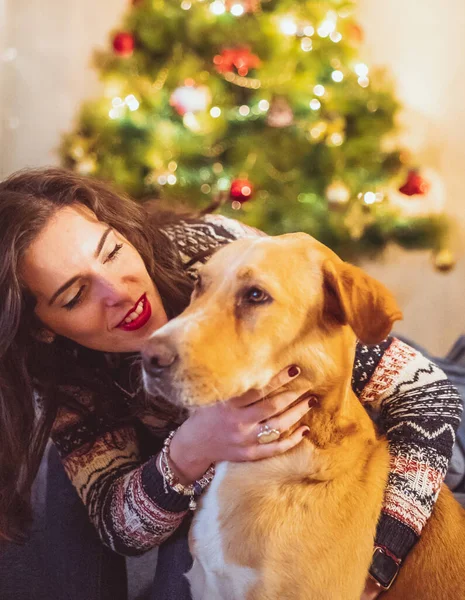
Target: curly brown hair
<point>28,199</point>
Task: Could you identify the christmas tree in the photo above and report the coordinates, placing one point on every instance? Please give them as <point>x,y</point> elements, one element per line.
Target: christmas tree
<point>264,108</point>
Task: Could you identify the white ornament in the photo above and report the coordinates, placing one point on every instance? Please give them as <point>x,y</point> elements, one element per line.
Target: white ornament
<point>190,99</point>
<point>87,166</point>
<point>337,193</point>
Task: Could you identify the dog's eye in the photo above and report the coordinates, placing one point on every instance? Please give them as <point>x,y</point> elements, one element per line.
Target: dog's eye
<point>198,286</point>
<point>255,295</point>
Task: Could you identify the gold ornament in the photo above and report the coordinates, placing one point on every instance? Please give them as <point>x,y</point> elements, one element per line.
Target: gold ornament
<point>357,220</point>
<point>335,139</point>
<point>337,193</point>
<point>317,130</point>
<point>444,260</point>
<point>78,148</point>
<point>86,166</point>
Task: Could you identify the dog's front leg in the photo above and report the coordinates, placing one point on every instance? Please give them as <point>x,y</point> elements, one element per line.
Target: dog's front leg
<point>198,581</point>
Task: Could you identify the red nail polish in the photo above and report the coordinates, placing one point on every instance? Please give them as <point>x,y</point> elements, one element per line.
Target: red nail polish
<point>312,401</point>
<point>306,433</point>
<point>293,371</point>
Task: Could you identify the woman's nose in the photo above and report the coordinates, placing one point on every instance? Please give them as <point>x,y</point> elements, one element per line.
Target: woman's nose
<point>114,293</point>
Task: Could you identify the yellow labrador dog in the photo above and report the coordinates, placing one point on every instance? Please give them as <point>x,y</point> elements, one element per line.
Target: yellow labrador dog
<point>299,526</point>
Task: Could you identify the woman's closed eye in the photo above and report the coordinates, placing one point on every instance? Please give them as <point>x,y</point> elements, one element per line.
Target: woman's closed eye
<point>113,254</point>
<point>79,296</point>
<point>76,300</point>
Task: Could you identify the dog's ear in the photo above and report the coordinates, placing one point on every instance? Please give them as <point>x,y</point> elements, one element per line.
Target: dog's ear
<point>354,298</point>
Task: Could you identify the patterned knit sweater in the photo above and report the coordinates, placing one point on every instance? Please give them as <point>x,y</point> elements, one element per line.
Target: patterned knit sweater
<point>408,396</point>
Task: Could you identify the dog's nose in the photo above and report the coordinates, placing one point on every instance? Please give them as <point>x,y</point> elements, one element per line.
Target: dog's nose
<point>157,356</point>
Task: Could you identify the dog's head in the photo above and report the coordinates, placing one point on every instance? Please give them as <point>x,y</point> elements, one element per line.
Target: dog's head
<point>261,304</point>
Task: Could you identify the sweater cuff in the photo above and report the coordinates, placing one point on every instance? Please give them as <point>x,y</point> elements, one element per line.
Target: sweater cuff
<point>153,484</point>
<point>394,535</point>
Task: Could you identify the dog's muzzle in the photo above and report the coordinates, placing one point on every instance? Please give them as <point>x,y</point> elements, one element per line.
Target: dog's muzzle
<point>155,367</point>
<point>158,356</point>
<point>158,361</point>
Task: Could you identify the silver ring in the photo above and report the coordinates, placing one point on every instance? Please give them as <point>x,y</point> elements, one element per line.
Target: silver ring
<point>266,434</point>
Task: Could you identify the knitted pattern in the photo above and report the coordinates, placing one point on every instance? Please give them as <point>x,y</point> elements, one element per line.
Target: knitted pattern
<point>409,398</point>
<point>420,412</point>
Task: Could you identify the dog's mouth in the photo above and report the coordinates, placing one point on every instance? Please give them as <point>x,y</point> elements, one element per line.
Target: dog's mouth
<point>157,386</point>
<point>182,392</point>
<point>165,386</point>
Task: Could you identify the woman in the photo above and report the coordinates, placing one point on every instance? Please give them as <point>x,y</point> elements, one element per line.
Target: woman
<point>86,276</point>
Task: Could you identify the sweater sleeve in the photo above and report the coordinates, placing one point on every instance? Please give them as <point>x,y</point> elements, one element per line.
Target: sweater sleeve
<point>419,411</point>
<point>125,498</point>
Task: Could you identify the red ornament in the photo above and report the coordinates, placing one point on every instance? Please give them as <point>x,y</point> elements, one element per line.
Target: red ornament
<point>415,184</point>
<point>241,190</point>
<point>239,58</point>
<point>250,6</point>
<point>123,43</point>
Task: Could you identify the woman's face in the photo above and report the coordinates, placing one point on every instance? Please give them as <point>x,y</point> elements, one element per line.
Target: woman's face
<point>91,284</point>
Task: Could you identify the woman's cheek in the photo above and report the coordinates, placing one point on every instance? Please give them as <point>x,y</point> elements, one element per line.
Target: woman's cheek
<point>83,325</point>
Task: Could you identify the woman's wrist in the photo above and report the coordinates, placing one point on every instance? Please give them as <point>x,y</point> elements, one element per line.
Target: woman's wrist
<point>187,463</point>
<point>171,480</point>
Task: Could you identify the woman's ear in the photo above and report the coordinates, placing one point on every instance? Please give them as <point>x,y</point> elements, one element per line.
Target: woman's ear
<point>40,332</point>
<point>45,335</point>
<point>354,298</point>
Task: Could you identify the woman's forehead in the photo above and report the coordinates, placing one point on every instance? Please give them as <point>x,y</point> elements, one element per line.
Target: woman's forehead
<point>61,249</point>
<point>70,229</point>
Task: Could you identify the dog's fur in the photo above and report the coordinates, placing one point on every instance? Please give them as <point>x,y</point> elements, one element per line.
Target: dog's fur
<point>300,525</point>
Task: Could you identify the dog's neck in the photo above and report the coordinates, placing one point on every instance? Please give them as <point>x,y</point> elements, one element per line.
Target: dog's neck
<point>340,440</point>
<point>336,412</point>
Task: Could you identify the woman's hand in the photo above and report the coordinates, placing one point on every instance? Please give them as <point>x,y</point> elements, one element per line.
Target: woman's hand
<point>371,591</point>
<point>228,430</point>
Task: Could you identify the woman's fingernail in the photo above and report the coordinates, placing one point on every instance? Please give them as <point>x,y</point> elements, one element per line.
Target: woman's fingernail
<point>293,371</point>
<point>306,433</point>
<point>312,401</point>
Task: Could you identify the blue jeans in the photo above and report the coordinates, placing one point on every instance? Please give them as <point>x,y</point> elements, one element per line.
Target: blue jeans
<point>64,559</point>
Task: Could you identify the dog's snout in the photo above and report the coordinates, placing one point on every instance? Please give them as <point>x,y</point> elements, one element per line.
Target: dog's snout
<point>158,356</point>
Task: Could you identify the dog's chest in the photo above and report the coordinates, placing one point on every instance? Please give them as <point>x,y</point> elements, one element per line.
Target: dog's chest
<point>211,576</point>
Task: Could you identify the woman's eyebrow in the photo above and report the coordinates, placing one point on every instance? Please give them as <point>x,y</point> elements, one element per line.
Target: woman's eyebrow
<point>102,242</point>
<point>63,288</point>
<point>70,282</point>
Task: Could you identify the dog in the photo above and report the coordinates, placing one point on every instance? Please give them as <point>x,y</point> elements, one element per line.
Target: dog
<point>300,525</point>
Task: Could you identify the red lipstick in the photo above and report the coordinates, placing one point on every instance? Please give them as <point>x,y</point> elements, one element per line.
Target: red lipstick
<point>141,320</point>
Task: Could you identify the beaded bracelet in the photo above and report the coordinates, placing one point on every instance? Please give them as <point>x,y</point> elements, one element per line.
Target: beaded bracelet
<point>170,479</point>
